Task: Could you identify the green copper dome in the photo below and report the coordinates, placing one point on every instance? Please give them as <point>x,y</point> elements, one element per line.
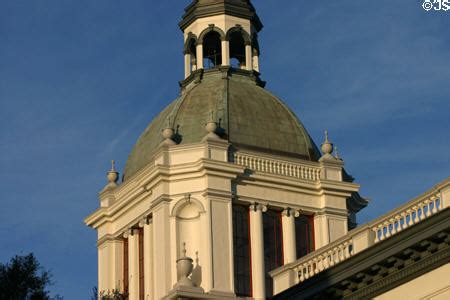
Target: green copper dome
<point>248,117</point>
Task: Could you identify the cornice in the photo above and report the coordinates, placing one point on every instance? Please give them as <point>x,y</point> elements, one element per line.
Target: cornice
<point>137,189</point>
<point>241,10</point>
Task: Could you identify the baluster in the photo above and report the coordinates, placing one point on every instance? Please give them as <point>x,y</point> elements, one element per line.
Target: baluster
<point>435,208</point>
<point>315,266</point>
<point>427,206</point>
<point>311,268</point>
<point>422,213</point>
<point>301,275</point>
<point>347,253</point>
<point>394,229</point>
<point>416,215</point>
<point>410,215</point>
<point>387,225</point>
<point>375,230</point>
<point>321,263</point>
<point>306,271</point>
<point>399,222</point>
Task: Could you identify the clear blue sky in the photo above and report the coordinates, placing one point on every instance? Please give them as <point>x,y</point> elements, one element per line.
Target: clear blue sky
<point>81,79</point>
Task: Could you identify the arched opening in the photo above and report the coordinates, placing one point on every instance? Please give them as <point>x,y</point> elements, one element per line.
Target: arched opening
<point>237,50</point>
<point>212,50</point>
<point>192,51</point>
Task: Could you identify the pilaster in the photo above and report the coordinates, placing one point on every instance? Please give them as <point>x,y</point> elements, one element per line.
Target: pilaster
<point>110,265</point>
<point>162,267</point>
<point>445,197</point>
<point>133,264</point>
<point>147,226</point>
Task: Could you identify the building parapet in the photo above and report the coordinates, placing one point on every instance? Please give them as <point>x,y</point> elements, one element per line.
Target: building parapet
<point>415,211</point>
<point>277,166</point>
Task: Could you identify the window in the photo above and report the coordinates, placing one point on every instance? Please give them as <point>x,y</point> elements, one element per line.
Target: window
<point>304,235</point>
<point>273,245</point>
<point>141,265</point>
<point>212,50</point>
<point>237,50</point>
<point>125,266</point>
<point>241,243</point>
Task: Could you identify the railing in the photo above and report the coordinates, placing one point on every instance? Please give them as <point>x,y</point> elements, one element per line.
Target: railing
<point>363,237</point>
<point>278,167</point>
<point>404,217</point>
<point>323,259</point>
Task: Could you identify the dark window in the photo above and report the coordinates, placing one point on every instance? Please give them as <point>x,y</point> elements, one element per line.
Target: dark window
<point>125,266</point>
<point>241,247</point>
<point>273,245</point>
<point>141,265</point>
<point>237,50</point>
<point>212,50</point>
<point>304,235</point>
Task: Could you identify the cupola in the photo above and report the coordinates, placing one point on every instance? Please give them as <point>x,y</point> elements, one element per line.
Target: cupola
<point>220,33</point>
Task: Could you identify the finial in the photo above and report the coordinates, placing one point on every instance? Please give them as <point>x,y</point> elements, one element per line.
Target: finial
<point>168,133</point>
<point>112,175</point>
<point>336,153</point>
<point>327,147</point>
<point>211,126</point>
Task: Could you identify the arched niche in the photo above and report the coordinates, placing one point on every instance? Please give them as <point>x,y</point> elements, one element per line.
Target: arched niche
<point>187,213</point>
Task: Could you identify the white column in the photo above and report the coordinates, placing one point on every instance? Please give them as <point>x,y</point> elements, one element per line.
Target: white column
<point>133,265</point>
<point>256,63</point>
<point>257,250</point>
<point>248,57</point>
<point>148,259</point>
<point>225,53</point>
<point>187,65</point>
<point>289,240</point>
<point>199,56</point>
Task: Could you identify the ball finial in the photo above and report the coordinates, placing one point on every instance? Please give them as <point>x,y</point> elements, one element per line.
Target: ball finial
<point>211,126</point>
<point>168,133</point>
<point>113,175</point>
<point>327,147</point>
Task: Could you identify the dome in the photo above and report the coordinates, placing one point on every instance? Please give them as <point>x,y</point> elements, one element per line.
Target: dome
<point>249,117</point>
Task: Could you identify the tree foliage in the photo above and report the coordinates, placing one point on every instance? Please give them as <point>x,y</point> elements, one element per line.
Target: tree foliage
<point>107,295</point>
<point>23,278</point>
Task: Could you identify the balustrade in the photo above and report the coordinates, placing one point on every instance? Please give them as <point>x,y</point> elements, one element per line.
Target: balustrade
<point>278,167</point>
<point>401,219</point>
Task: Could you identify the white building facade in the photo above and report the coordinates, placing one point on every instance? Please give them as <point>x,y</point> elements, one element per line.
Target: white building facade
<point>225,185</point>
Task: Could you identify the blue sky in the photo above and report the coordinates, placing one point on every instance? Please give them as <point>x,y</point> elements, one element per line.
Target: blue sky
<point>81,79</point>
